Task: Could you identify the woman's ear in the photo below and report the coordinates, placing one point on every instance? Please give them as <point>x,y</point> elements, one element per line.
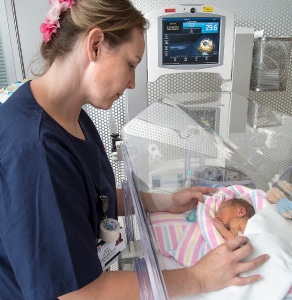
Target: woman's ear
<point>94,40</point>
<point>241,211</point>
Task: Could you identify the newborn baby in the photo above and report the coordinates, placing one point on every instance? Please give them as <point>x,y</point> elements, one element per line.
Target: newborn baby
<point>232,216</point>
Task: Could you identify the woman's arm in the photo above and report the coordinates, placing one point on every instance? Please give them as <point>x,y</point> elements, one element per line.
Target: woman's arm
<point>178,202</point>
<point>218,269</point>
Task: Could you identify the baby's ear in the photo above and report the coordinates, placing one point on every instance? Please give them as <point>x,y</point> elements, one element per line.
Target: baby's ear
<point>241,211</point>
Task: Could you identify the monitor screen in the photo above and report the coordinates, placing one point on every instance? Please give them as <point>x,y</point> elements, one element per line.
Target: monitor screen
<point>190,41</point>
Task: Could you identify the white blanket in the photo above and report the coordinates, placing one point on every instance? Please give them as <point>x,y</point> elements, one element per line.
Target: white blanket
<point>269,233</point>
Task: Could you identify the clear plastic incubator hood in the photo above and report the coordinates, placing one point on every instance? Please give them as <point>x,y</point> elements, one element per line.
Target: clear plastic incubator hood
<point>214,139</point>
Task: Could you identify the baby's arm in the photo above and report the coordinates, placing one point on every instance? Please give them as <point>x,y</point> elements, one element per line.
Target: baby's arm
<point>227,234</point>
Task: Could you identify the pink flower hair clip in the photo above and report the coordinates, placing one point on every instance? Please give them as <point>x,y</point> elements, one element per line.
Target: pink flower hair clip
<point>52,17</point>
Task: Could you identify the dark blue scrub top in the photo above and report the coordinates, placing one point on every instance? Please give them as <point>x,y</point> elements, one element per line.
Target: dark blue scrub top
<point>49,185</point>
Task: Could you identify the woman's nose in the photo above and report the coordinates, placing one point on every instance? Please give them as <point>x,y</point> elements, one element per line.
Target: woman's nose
<point>132,83</point>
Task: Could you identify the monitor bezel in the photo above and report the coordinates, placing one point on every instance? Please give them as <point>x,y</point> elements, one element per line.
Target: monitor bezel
<point>191,16</point>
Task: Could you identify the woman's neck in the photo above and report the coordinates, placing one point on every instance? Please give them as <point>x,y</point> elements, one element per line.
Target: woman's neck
<point>60,100</point>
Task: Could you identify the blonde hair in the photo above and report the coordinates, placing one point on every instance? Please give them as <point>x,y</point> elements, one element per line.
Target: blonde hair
<point>116,18</point>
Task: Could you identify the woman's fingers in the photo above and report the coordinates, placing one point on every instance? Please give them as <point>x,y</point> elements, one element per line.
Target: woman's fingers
<point>206,190</point>
<point>241,249</point>
<point>251,265</point>
<point>240,281</point>
<point>227,261</point>
<point>238,243</point>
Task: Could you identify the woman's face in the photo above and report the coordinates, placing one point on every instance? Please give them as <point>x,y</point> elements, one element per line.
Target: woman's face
<point>113,71</point>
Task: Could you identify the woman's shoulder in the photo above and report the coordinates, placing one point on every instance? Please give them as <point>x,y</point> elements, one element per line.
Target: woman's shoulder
<point>20,117</point>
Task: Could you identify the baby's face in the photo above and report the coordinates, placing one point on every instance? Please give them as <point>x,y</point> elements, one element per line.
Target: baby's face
<point>226,212</point>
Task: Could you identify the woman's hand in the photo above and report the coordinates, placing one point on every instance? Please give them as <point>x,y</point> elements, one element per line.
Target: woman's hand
<point>188,198</point>
<point>222,266</point>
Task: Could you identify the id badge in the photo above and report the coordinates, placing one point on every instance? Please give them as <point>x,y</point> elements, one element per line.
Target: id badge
<point>108,251</point>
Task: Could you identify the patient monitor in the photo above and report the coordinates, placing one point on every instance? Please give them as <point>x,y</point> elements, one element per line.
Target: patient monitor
<point>193,38</point>
<point>190,42</point>
<point>189,39</point>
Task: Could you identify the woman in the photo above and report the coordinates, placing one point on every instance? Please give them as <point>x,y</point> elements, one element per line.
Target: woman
<point>54,169</point>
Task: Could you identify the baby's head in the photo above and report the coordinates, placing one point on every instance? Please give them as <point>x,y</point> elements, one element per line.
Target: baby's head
<point>234,208</point>
<point>237,202</point>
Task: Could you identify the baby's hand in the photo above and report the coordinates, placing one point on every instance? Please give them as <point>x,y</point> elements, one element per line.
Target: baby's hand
<point>217,223</point>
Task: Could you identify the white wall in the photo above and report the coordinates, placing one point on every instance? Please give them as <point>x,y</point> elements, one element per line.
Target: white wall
<point>30,14</point>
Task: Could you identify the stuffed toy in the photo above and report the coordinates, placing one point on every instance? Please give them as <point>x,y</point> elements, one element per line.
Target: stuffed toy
<point>281,195</point>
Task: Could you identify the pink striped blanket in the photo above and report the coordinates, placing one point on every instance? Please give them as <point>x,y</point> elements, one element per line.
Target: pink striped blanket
<point>187,241</point>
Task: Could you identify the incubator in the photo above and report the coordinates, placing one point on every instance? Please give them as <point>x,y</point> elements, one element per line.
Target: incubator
<point>206,138</point>
<point>197,139</point>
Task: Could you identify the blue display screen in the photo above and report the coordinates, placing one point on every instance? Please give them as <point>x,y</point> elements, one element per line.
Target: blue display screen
<point>188,41</point>
<point>210,27</point>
